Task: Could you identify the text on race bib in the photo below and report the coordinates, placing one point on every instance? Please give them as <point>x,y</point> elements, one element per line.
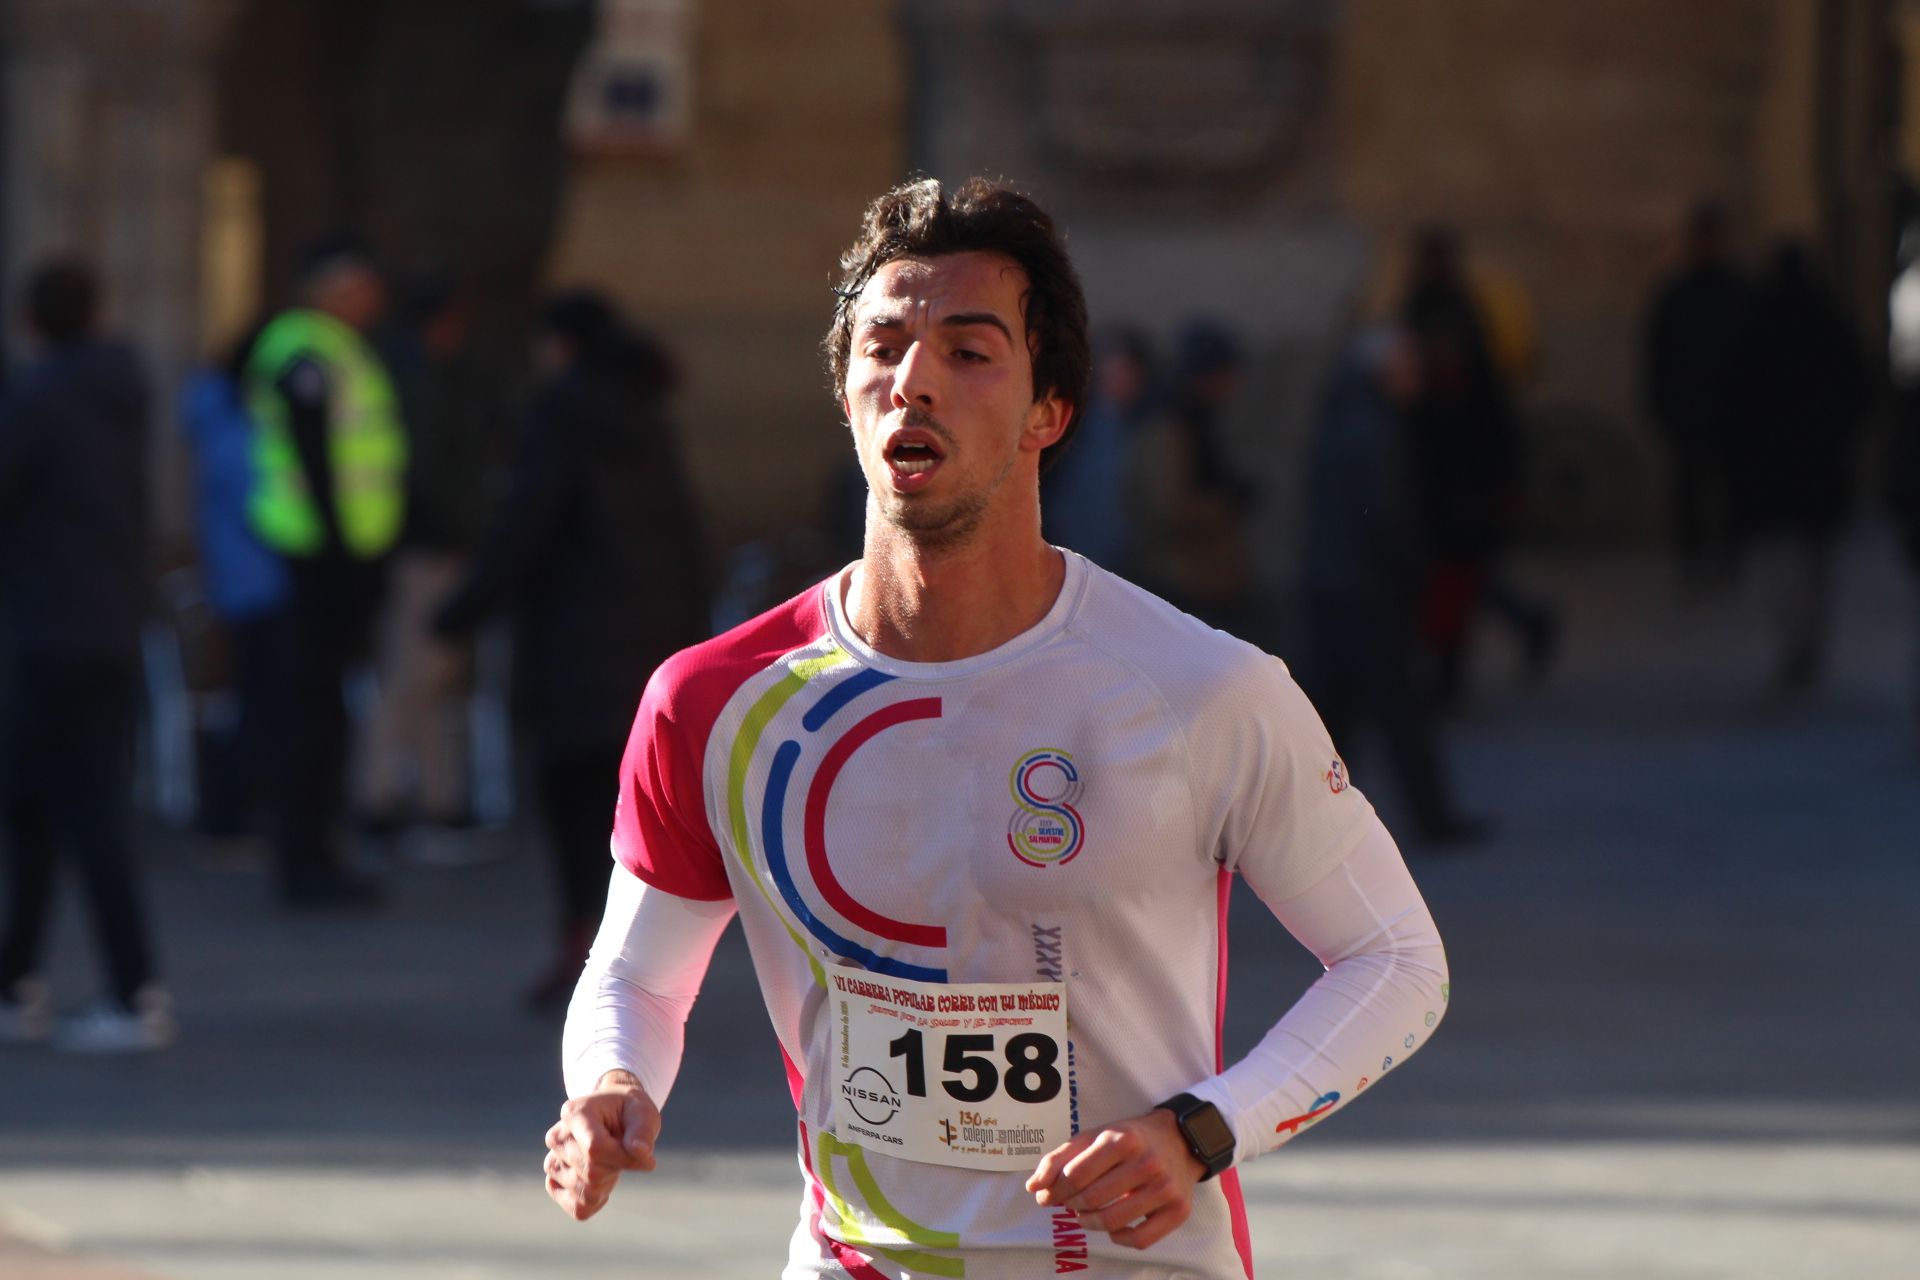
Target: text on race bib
<point>972,1075</point>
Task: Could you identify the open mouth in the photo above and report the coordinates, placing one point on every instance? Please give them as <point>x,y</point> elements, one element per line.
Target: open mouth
<point>912,453</point>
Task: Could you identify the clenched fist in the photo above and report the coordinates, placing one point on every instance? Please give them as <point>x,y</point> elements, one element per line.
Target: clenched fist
<point>599,1136</point>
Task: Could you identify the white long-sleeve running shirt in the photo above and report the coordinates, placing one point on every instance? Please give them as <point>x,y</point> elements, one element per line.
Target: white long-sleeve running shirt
<point>986,902</point>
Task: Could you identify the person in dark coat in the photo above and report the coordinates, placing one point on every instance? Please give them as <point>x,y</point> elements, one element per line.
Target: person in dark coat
<point>1365,559</point>
<point>1467,462</point>
<point>1688,371</point>
<point>1903,490</point>
<point>1802,398</point>
<point>597,551</point>
<point>1081,493</point>
<point>73,596</point>
<point>1189,506</point>
<point>416,765</point>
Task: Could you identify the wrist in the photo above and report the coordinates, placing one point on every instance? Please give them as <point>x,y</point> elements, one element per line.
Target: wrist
<point>1208,1137</point>
<point>617,1078</point>
<point>1171,1128</point>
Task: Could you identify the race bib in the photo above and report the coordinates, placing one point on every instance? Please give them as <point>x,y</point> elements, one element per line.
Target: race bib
<point>966,1074</point>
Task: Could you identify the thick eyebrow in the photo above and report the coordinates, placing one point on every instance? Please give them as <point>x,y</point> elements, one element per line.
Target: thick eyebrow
<point>979,317</point>
<point>962,319</point>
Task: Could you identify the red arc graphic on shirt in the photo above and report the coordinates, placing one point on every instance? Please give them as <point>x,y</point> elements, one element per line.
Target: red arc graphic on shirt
<point>815,835</point>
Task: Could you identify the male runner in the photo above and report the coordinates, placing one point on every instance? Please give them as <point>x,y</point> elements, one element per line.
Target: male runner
<point>978,803</point>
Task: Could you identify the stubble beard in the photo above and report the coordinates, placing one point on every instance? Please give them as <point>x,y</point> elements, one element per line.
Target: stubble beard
<point>935,526</point>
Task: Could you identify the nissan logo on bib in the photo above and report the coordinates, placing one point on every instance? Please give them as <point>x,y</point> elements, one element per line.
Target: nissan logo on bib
<point>870,1095</point>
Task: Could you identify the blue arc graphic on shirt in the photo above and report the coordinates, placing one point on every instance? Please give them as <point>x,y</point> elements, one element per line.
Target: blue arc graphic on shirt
<point>840,695</point>
<point>774,807</point>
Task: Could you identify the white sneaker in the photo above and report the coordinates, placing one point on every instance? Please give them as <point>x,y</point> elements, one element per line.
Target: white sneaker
<point>26,1013</point>
<point>106,1026</point>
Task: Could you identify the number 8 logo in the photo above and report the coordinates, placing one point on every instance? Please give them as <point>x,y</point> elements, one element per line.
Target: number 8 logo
<point>1046,829</point>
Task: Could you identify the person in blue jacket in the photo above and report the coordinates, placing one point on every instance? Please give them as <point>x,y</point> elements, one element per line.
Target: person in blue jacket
<point>245,584</point>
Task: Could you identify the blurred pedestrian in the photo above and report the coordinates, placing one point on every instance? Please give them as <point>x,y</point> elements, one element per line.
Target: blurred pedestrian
<point>597,552</point>
<point>1190,505</point>
<point>417,761</point>
<point>1904,489</point>
<point>245,585</point>
<point>1365,568</point>
<point>1468,466</point>
<point>330,458</point>
<point>1903,455</point>
<point>1084,491</point>
<point>73,596</point>
<point>1801,401</point>
<point>1689,370</point>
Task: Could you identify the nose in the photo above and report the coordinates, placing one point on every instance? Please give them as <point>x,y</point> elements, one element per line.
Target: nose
<point>914,379</point>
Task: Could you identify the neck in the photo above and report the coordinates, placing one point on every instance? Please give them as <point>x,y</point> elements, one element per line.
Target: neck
<point>919,604</point>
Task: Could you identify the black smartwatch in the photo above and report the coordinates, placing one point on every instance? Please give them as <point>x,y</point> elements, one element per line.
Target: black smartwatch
<point>1207,1132</point>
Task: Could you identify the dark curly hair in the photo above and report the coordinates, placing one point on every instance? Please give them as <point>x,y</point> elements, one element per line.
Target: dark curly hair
<point>922,220</point>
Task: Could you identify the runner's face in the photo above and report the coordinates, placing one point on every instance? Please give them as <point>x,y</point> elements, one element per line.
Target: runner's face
<point>940,394</point>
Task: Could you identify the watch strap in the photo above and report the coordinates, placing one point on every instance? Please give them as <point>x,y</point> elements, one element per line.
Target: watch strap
<point>1214,1152</point>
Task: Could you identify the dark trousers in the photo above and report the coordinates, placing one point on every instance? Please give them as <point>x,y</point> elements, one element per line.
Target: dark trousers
<point>1701,507</point>
<point>311,644</point>
<point>66,789</point>
<point>579,786</point>
<point>1363,661</point>
<point>235,763</point>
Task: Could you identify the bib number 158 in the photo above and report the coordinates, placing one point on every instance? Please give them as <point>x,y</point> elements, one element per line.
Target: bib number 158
<point>972,1074</point>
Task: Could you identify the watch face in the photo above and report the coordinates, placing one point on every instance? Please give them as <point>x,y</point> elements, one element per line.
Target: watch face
<point>1208,1130</point>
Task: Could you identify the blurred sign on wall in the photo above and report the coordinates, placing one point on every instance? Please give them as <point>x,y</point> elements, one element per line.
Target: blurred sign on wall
<point>1146,105</point>
<point>632,93</point>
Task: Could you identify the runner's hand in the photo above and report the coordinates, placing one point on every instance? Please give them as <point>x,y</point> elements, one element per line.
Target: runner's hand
<point>1133,1180</point>
<point>599,1136</point>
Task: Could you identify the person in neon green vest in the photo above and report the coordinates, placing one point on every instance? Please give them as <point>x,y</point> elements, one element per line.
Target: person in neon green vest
<point>329,496</point>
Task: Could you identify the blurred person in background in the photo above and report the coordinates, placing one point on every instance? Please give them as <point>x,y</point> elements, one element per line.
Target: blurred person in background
<point>73,596</point>
<point>330,461</point>
<point>1190,506</point>
<point>417,756</point>
<point>245,585</point>
<point>597,552</point>
<point>1903,455</point>
<point>1689,371</point>
<point>1467,456</point>
<point>1364,569</point>
<point>1082,492</point>
<point>1800,404</point>
<point>1904,489</point>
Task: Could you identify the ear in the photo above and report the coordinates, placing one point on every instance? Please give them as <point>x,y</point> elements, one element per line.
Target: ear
<point>1047,420</point>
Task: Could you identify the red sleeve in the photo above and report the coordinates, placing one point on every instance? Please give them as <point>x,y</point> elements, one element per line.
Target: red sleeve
<point>660,828</point>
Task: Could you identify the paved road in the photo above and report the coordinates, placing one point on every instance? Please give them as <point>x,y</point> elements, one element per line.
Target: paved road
<point>1686,1018</point>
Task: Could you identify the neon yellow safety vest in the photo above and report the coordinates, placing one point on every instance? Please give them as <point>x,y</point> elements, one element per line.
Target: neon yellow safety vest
<point>366,442</point>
